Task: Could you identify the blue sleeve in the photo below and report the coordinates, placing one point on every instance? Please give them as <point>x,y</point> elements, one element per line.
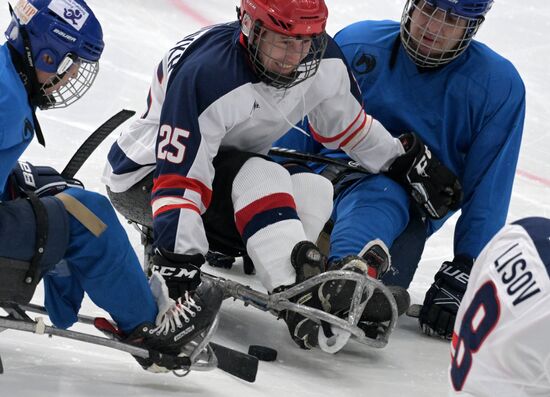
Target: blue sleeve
<point>490,165</point>
<point>297,140</point>
<point>538,229</point>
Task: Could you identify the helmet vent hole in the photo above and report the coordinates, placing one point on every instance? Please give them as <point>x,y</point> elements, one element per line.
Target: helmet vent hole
<point>280,23</point>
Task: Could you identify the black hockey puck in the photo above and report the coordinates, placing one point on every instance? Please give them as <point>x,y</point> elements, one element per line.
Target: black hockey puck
<point>262,353</point>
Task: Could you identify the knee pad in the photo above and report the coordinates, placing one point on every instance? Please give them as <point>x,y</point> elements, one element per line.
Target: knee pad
<point>259,178</point>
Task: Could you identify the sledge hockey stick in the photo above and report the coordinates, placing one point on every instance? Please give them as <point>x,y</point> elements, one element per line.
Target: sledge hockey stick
<point>317,158</point>
<point>93,141</point>
<point>241,365</point>
<point>38,327</point>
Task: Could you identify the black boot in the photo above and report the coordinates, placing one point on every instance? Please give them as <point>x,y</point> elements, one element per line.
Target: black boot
<point>191,315</point>
<point>374,262</point>
<point>308,261</point>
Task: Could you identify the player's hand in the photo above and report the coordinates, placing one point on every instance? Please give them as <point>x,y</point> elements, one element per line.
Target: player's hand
<point>41,180</point>
<point>431,184</point>
<point>181,272</point>
<point>438,314</point>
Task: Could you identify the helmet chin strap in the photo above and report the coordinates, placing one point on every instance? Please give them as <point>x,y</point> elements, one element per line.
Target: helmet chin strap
<point>30,81</point>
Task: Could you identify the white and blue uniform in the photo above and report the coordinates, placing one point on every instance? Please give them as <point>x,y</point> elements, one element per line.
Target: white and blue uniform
<point>500,341</point>
<point>74,260</point>
<point>205,97</point>
<point>470,114</point>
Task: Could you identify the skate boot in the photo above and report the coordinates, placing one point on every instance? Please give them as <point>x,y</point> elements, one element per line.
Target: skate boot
<point>308,261</point>
<point>185,322</point>
<point>374,262</point>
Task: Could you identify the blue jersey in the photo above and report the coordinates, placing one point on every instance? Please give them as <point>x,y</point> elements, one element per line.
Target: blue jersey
<point>470,113</point>
<point>16,121</point>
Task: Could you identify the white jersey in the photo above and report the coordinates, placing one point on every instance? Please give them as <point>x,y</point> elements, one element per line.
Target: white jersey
<point>205,97</point>
<point>501,341</point>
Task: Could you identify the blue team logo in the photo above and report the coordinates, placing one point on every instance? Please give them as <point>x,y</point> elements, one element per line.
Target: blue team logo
<point>363,63</point>
<point>28,130</point>
<point>72,15</point>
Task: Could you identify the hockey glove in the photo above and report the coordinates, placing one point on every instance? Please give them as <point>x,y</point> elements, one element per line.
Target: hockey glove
<point>430,183</point>
<point>42,180</point>
<point>181,272</point>
<point>438,314</point>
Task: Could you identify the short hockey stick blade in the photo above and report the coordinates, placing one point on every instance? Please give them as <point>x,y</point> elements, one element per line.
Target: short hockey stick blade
<point>93,141</point>
<point>242,365</point>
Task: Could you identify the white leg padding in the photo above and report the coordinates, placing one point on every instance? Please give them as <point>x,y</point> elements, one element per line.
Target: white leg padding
<point>270,246</point>
<point>313,195</point>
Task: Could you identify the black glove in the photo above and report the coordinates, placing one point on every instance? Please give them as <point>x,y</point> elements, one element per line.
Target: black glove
<point>42,180</point>
<point>181,272</point>
<point>431,184</point>
<point>442,300</point>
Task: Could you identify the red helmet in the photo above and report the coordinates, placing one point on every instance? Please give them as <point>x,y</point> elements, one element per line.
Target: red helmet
<point>288,17</point>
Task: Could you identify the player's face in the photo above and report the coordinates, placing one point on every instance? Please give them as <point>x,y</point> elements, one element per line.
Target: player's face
<point>51,82</point>
<point>434,30</point>
<point>282,54</point>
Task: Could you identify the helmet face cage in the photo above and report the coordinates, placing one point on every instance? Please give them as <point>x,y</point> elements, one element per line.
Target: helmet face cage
<point>82,74</point>
<point>433,36</point>
<point>285,61</point>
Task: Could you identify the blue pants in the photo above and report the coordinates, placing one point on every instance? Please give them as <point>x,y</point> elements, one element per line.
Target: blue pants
<point>374,207</point>
<point>75,261</point>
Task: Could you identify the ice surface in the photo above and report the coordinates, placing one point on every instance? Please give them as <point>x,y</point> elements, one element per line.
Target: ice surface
<point>137,33</point>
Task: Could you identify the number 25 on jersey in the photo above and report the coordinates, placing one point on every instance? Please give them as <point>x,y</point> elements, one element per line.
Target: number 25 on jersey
<point>170,146</point>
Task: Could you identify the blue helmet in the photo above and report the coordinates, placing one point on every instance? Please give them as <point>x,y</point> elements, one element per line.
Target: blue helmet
<point>464,8</point>
<point>60,33</point>
<point>435,32</point>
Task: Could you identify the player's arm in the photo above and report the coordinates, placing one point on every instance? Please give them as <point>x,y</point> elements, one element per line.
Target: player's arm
<point>487,181</point>
<point>340,122</point>
<point>182,188</point>
<point>490,167</point>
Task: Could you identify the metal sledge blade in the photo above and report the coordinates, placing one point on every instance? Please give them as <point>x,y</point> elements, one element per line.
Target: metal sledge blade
<point>275,303</point>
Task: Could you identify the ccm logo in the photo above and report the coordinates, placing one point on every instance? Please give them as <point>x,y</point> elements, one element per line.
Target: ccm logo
<point>175,272</point>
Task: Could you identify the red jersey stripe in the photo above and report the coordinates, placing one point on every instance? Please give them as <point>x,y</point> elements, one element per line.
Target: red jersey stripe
<point>276,200</point>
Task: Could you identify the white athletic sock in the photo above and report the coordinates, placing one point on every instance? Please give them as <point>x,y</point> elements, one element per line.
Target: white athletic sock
<point>313,195</point>
<point>265,215</point>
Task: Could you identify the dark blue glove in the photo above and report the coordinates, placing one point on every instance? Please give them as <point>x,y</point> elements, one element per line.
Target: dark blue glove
<point>438,314</point>
<point>430,183</point>
<point>42,180</point>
